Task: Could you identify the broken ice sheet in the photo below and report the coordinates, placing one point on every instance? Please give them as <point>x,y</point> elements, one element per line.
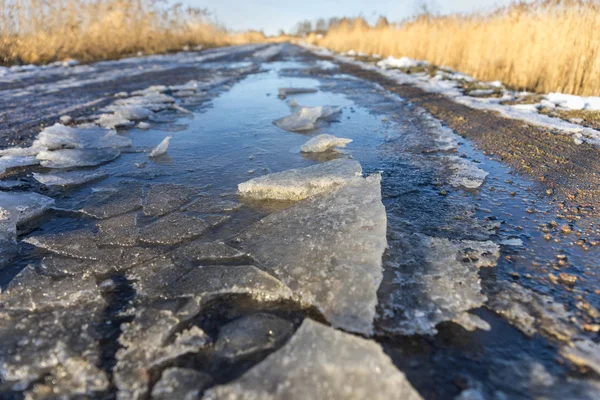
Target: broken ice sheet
<point>48,344</point>
<point>30,291</point>
<point>59,136</point>
<point>208,252</point>
<point>165,198</point>
<point>78,244</point>
<point>118,231</point>
<point>328,249</point>
<point>173,229</point>
<point>465,173</point>
<point>181,384</point>
<point>298,184</point>
<point>152,340</point>
<point>70,158</point>
<point>252,334</point>
<point>24,206</point>
<point>8,162</point>
<point>531,312</point>
<point>323,142</point>
<point>70,178</point>
<point>432,280</point>
<point>207,205</point>
<point>305,118</point>
<point>110,204</point>
<point>321,363</point>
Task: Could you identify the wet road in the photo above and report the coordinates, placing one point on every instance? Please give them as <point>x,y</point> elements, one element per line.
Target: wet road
<point>157,276</point>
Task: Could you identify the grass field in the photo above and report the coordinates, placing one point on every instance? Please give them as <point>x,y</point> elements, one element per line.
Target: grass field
<point>548,46</point>
<point>41,31</point>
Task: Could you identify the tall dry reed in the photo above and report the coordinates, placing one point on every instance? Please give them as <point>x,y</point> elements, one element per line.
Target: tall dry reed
<point>39,31</point>
<point>546,46</point>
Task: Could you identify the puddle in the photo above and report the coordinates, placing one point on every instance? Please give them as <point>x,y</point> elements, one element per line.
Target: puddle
<point>232,139</point>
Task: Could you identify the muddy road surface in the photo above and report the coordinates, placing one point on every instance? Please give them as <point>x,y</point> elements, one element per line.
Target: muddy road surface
<point>258,222</point>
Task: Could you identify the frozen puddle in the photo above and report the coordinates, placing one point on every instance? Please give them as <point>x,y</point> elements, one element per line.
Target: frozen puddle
<point>303,259</point>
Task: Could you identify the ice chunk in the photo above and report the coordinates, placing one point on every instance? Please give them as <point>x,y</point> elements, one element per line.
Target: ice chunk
<point>118,231</point>
<point>298,184</point>
<point>180,383</point>
<point>152,101</point>
<point>209,253</point>
<point>402,62</point>
<point>112,121</point>
<point>321,363</point>
<point>304,118</point>
<point>24,206</point>
<point>59,344</point>
<point>328,249</point>
<point>531,312</point>
<point>284,92</point>
<point>123,201</point>
<point>30,291</point>
<point>252,334</point>
<point>152,340</point>
<point>69,158</point>
<point>71,178</point>
<point>433,280</point>
<point>59,136</point>
<point>165,198</point>
<point>173,229</point>
<point>583,353</point>
<point>465,173</point>
<point>7,162</point>
<point>161,148</point>
<point>323,143</point>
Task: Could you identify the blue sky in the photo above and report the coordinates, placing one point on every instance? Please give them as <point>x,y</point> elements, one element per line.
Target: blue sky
<point>272,15</point>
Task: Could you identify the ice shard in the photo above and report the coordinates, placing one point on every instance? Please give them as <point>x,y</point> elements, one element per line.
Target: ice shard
<point>323,142</point>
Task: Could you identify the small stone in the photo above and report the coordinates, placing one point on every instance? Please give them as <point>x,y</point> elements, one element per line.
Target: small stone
<point>566,229</point>
<point>567,279</point>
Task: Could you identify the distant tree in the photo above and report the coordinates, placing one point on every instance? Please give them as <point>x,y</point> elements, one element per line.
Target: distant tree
<point>321,26</point>
<point>333,22</point>
<point>426,8</point>
<point>304,28</point>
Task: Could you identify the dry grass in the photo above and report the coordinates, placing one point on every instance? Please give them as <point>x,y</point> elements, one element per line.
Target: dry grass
<point>549,46</point>
<point>40,31</point>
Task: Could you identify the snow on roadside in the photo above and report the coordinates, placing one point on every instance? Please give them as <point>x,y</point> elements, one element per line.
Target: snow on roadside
<point>446,82</point>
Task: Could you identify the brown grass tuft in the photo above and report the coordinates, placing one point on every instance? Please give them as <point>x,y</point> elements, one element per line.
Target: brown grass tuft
<point>547,46</point>
<point>41,31</point>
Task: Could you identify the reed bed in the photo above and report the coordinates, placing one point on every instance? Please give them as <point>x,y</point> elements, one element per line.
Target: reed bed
<point>545,46</point>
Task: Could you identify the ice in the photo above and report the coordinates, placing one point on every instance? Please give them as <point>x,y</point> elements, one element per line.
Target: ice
<point>69,158</point>
<point>305,118</point>
<point>284,92</point>
<point>160,278</point>
<point>118,231</point>
<point>298,184</point>
<point>77,243</point>
<point>10,161</point>
<point>152,340</point>
<point>328,249</point>
<point>252,334</point>
<point>8,229</point>
<point>512,242</point>
<point>30,291</point>
<point>152,100</point>
<point>59,136</point>
<point>531,312</point>
<point>24,206</point>
<point>567,101</point>
<point>56,347</point>
<point>113,121</point>
<point>402,62</point>
<point>434,280</point>
<point>209,253</point>
<point>464,173</point>
<point>161,148</point>
<point>583,353</point>
<point>123,201</point>
<point>323,142</point>
<point>165,198</point>
<point>173,229</point>
<point>321,363</point>
<point>210,206</point>
<point>181,384</point>
<point>71,178</point>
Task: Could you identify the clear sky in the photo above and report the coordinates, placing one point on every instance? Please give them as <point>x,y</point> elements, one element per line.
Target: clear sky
<point>272,15</point>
